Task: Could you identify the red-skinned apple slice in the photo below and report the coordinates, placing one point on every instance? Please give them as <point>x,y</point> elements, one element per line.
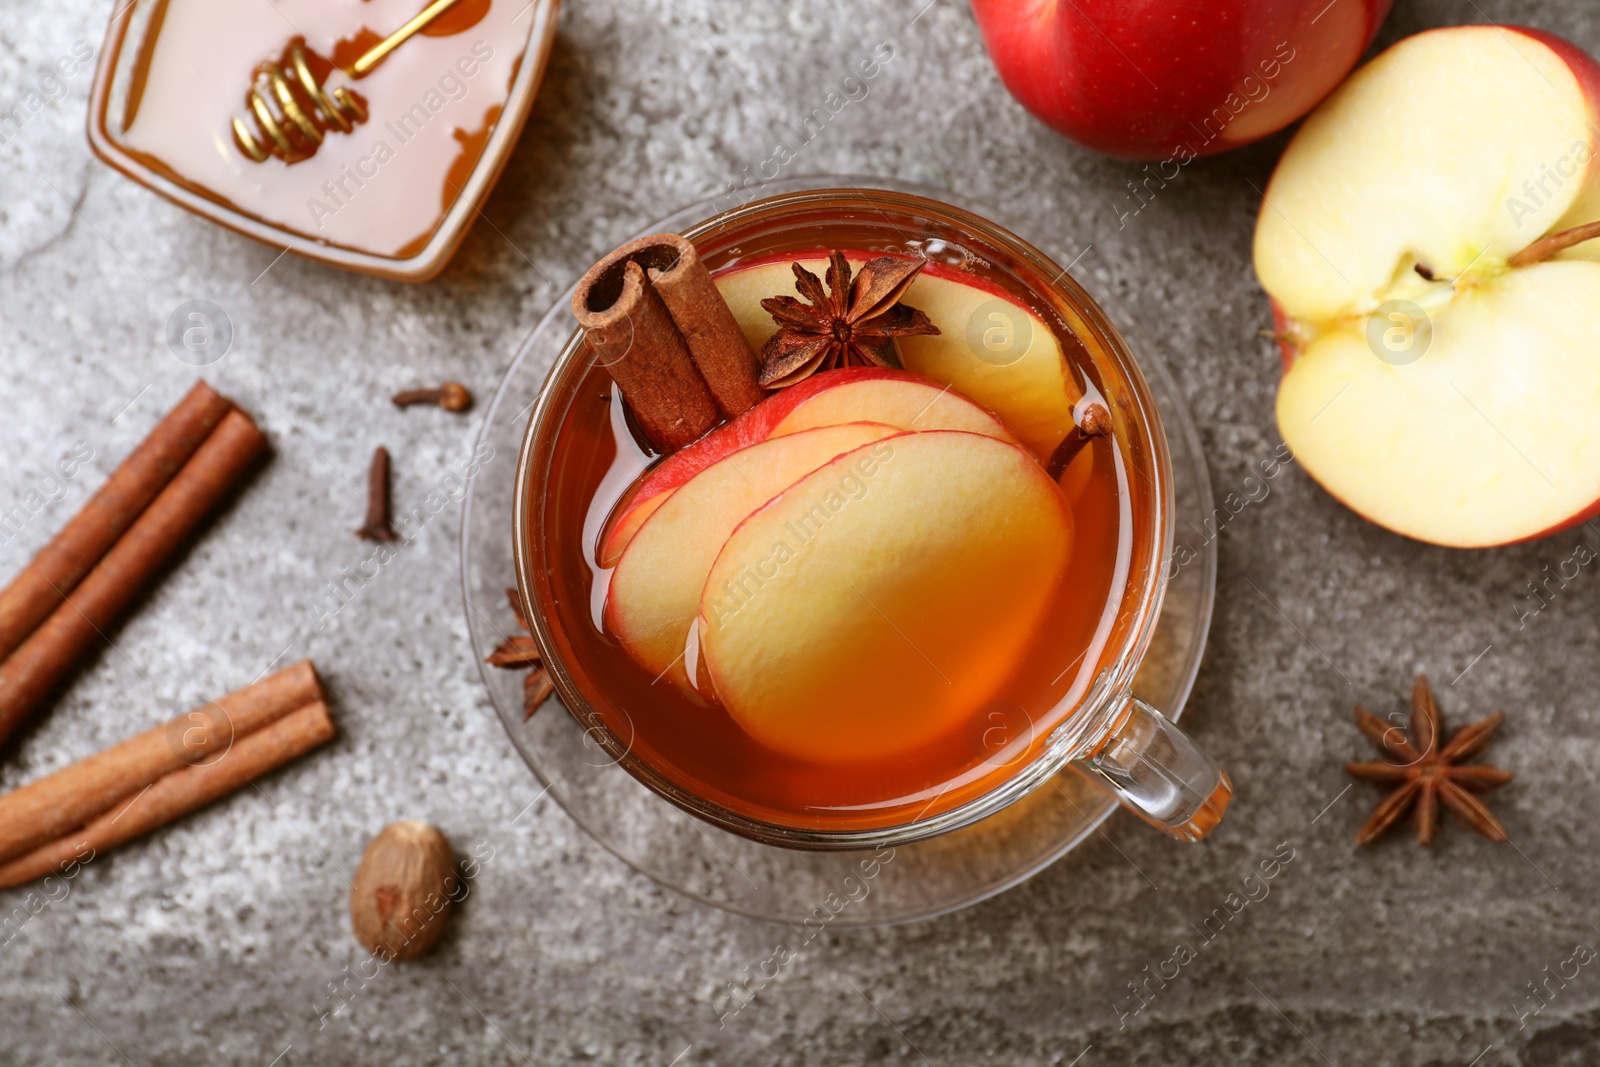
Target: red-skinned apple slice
<point>1443,376</point>
<point>896,398</point>
<point>851,394</point>
<point>874,603</point>
<point>990,347</point>
<point>655,589</point>
<point>658,483</point>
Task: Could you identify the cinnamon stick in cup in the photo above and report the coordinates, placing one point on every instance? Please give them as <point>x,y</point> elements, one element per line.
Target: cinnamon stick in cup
<point>42,662</point>
<point>43,810</point>
<point>706,322</point>
<point>634,338</point>
<point>61,564</point>
<point>656,321</point>
<point>180,793</point>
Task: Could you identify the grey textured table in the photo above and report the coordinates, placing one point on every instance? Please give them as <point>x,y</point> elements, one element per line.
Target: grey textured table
<point>215,940</point>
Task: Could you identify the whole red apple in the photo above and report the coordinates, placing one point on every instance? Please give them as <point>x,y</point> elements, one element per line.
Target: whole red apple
<point>1174,79</point>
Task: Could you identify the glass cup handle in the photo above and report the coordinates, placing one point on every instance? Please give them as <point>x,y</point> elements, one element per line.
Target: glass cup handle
<point>1159,773</point>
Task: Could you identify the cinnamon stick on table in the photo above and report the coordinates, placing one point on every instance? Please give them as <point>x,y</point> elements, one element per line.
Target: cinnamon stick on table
<point>60,565</point>
<point>74,796</point>
<point>42,662</point>
<point>181,792</point>
<point>667,338</point>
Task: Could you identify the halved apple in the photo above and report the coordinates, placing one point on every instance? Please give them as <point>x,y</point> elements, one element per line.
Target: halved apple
<point>850,394</point>
<point>1442,366</point>
<point>655,589</point>
<point>990,347</point>
<point>874,603</point>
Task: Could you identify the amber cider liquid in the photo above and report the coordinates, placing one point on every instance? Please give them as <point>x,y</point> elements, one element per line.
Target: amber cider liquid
<point>693,742</point>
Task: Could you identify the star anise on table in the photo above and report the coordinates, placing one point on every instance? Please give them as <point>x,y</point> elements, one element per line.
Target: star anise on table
<point>519,651</point>
<point>851,323</point>
<point>1430,770</point>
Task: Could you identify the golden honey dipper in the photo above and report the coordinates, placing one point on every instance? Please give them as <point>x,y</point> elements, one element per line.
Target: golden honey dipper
<point>303,100</point>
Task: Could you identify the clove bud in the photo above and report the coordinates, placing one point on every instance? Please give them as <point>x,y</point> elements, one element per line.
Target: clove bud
<point>377,527</point>
<point>452,396</point>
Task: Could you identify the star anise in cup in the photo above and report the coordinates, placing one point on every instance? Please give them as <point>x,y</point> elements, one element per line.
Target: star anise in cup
<point>1431,770</point>
<point>851,323</point>
<point>517,652</point>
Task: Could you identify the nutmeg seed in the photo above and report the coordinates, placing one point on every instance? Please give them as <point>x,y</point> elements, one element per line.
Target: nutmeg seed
<point>404,891</point>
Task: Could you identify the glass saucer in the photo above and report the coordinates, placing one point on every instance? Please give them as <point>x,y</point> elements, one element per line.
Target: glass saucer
<point>843,889</point>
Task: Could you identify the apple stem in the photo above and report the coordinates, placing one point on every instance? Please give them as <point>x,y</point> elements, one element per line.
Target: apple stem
<point>1546,247</point>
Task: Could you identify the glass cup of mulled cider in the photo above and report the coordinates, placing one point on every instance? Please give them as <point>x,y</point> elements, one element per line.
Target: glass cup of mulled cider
<point>953,616</point>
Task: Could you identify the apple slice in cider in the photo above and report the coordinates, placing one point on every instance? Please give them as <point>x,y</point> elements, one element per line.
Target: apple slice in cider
<point>851,394</point>
<point>655,589</point>
<point>870,606</point>
<point>990,347</point>
<point>892,397</point>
